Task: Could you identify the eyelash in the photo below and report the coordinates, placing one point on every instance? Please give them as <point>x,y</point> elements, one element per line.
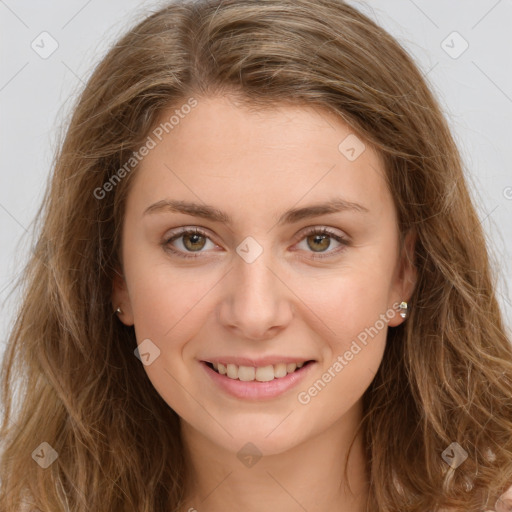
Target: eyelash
<point>313,231</point>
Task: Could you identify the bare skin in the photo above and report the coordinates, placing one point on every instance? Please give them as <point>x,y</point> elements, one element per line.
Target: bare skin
<point>254,166</point>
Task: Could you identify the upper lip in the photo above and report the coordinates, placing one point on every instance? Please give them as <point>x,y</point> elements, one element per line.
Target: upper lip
<point>256,362</point>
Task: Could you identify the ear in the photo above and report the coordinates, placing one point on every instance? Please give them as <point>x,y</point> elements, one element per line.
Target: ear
<point>405,277</point>
<point>121,299</point>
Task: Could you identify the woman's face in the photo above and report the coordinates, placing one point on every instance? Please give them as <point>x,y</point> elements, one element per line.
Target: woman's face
<point>260,285</point>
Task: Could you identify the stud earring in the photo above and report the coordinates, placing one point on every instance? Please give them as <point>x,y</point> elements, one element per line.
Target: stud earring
<point>118,311</point>
<point>403,309</point>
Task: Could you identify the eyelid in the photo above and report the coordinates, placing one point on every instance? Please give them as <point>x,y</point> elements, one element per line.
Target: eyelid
<point>341,238</point>
<point>178,233</point>
<point>320,227</point>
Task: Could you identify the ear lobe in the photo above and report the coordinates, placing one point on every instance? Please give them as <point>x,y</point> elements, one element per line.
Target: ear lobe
<point>121,299</point>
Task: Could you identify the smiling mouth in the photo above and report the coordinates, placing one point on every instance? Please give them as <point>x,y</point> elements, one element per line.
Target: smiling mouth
<point>260,374</point>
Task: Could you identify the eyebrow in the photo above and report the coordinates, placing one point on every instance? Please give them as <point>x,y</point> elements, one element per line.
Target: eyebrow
<point>289,217</point>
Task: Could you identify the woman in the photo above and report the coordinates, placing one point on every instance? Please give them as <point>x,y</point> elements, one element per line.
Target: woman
<point>334,343</point>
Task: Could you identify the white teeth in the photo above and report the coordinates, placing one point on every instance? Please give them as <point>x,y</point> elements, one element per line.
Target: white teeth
<point>265,373</point>
<point>232,371</point>
<point>280,370</point>
<point>261,374</point>
<point>246,373</point>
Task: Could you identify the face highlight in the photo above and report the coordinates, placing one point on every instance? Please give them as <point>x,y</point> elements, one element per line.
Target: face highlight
<point>253,240</point>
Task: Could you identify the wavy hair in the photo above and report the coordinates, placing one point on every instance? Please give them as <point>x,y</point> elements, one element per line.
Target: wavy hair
<point>69,376</point>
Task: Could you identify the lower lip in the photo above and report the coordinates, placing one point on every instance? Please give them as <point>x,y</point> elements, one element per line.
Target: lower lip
<point>255,390</point>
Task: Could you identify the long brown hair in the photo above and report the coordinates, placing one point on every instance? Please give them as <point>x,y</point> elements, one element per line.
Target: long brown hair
<point>69,367</point>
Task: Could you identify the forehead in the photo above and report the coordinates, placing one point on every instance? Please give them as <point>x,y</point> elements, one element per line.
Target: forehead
<point>221,152</point>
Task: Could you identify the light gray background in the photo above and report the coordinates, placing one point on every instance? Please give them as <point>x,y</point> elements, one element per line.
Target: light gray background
<point>475,90</point>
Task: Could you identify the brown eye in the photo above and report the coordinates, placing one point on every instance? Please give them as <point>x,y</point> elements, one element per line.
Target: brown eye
<point>193,241</point>
<point>319,243</point>
<point>318,240</point>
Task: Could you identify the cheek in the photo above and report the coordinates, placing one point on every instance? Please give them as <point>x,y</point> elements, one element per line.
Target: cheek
<point>355,315</point>
<point>342,381</point>
<point>354,312</point>
<point>164,297</point>
<point>357,344</point>
<point>347,300</point>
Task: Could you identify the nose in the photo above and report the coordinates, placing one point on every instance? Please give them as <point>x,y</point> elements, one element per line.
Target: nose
<point>257,303</point>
